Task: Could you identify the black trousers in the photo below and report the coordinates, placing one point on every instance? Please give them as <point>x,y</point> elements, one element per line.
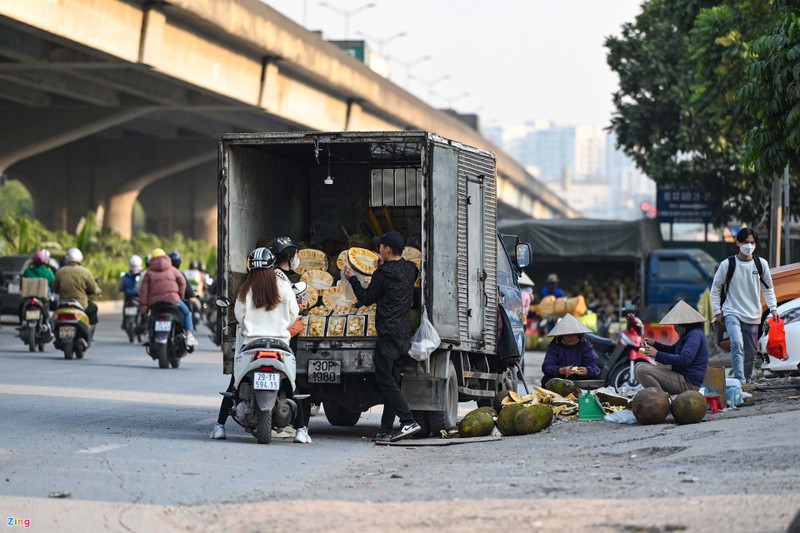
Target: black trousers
<point>389,354</point>
<point>300,418</point>
<point>91,312</point>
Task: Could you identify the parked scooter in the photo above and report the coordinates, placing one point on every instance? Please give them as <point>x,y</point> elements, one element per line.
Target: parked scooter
<point>264,373</point>
<point>35,328</point>
<point>618,359</point>
<point>167,339</point>
<point>131,319</point>
<point>71,329</point>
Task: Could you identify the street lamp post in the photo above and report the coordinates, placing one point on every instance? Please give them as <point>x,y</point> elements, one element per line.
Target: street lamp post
<point>449,100</point>
<point>409,64</point>
<point>347,13</point>
<point>432,83</point>
<point>383,41</point>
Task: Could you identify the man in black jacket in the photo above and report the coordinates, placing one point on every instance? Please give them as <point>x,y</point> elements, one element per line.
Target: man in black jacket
<point>392,288</point>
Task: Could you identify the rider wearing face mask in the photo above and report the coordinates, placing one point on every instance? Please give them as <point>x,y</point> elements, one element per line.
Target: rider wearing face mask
<point>286,258</point>
<point>682,365</point>
<point>738,283</point>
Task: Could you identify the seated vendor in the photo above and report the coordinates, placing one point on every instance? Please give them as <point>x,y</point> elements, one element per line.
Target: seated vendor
<point>569,355</point>
<point>682,366</point>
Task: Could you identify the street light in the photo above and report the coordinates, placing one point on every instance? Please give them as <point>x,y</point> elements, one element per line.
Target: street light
<point>432,83</point>
<point>450,99</point>
<point>383,41</point>
<point>409,64</point>
<point>347,13</point>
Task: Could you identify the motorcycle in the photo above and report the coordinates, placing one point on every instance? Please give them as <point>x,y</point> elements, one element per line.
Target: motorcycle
<point>131,319</point>
<point>71,329</point>
<point>619,359</point>
<point>167,339</point>
<point>35,329</point>
<point>264,373</point>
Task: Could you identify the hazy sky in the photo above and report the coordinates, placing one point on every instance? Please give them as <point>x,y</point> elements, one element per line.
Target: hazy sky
<point>519,60</point>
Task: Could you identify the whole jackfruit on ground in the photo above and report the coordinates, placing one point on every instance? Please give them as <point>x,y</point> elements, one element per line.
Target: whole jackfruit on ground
<point>533,419</point>
<point>476,423</point>
<point>689,407</point>
<point>505,420</point>
<point>650,405</point>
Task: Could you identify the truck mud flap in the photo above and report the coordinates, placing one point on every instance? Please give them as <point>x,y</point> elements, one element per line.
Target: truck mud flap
<point>424,392</point>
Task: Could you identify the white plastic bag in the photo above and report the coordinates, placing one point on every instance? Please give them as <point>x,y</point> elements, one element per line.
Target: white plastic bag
<point>621,417</point>
<point>425,340</point>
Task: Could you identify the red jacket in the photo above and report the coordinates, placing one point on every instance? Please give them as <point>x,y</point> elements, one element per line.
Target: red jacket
<point>161,283</point>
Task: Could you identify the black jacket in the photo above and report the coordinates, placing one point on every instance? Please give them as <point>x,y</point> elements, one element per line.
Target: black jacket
<point>392,288</point>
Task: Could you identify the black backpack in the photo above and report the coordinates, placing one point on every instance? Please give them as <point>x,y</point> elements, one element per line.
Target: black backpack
<point>729,277</point>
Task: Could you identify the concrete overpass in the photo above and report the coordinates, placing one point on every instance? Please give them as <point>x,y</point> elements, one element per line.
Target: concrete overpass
<point>108,101</point>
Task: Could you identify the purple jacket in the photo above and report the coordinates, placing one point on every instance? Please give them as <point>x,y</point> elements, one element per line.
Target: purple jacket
<point>559,355</point>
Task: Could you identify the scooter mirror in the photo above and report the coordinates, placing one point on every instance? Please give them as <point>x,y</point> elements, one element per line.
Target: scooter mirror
<point>222,302</point>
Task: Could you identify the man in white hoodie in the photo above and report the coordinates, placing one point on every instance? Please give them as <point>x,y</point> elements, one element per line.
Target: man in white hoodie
<point>739,281</point>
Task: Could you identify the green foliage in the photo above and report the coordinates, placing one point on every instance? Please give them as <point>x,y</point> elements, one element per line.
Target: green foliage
<point>678,112</point>
<point>15,199</point>
<point>106,254</point>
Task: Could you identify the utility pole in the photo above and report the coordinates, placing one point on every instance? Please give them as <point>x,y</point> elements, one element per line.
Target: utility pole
<point>776,222</point>
<point>787,219</point>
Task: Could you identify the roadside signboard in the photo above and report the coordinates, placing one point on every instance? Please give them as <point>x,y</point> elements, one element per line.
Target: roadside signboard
<point>685,205</point>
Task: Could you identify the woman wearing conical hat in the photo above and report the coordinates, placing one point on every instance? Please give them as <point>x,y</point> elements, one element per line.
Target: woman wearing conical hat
<point>680,366</point>
<point>569,356</point>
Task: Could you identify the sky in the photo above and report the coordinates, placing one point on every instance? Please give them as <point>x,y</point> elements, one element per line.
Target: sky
<point>518,60</point>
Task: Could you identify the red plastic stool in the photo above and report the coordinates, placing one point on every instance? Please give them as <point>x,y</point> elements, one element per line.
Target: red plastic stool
<point>714,403</point>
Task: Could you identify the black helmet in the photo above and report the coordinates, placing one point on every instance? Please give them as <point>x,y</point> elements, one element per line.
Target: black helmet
<point>176,258</point>
<point>194,265</point>
<point>260,258</point>
<point>282,243</point>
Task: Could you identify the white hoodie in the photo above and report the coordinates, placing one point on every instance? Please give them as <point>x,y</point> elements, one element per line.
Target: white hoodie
<point>258,322</point>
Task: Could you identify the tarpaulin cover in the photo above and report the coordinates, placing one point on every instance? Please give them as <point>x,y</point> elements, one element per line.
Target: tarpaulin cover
<point>581,238</point>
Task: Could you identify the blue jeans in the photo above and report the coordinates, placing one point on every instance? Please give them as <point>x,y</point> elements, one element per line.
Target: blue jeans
<point>187,317</point>
<point>743,347</point>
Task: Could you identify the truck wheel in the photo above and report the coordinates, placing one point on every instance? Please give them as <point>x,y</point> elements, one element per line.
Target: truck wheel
<point>338,415</point>
<point>264,427</point>
<point>421,418</point>
<point>449,417</point>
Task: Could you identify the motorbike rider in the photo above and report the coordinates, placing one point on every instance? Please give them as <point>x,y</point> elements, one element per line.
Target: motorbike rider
<point>38,268</point>
<point>75,282</point>
<point>131,280</point>
<point>265,307</point>
<point>195,278</point>
<point>164,283</point>
<point>570,355</point>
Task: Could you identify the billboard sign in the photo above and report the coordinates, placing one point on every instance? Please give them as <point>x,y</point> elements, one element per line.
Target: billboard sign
<point>685,205</point>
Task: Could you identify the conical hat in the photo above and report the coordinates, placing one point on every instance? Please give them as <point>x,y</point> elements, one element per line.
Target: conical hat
<point>569,325</point>
<point>682,313</point>
<point>526,281</point>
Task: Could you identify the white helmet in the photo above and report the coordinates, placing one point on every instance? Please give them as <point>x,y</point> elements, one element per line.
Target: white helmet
<point>135,262</point>
<point>74,256</point>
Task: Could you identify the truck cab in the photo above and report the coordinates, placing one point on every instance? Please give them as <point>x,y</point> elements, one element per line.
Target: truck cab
<point>676,274</point>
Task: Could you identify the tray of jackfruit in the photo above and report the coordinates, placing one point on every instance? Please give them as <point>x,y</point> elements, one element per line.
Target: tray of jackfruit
<point>342,320</point>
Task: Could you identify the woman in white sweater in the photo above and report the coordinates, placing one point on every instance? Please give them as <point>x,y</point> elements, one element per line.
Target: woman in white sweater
<point>265,307</point>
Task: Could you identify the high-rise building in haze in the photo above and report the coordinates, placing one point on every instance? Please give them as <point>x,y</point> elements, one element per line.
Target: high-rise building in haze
<point>581,164</point>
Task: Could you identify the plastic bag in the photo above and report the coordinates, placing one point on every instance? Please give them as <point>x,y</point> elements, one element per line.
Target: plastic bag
<point>622,417</point>
<point>776,342</point>
<point>425,340</point>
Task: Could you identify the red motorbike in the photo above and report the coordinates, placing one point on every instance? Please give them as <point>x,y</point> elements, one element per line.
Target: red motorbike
<point>618,359</point>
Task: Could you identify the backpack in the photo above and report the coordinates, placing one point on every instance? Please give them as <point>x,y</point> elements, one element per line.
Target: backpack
<point>729,277</point>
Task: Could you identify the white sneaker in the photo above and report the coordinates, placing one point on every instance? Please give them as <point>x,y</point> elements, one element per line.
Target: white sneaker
<point>190,340</point>
<point>218,432</point>
<point>283,433</point>
<point>302,436</point>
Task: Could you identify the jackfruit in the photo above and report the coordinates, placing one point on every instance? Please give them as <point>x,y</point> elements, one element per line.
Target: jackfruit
<point>476,423</point>
<point>564,387</point>
<point>505,420</point>
<point>497,402</point>
<point>650,405</point>
<point>489,410</point>
<point>689,407</point>
<point>533,419</point>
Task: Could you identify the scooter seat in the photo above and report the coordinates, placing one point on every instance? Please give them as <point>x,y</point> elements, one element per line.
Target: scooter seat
<point>600,344</point>
<point>70,303</point>
<point>268,343</point>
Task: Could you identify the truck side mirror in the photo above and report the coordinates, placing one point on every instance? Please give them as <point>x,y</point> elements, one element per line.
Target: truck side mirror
<point>523,255</point>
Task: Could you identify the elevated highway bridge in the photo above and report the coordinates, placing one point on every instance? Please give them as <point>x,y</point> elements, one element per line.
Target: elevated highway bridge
<point>106,102</point>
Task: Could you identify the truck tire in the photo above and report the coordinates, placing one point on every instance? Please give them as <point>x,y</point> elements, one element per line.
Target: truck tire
<point>447,419</point>
<point>338,415</point>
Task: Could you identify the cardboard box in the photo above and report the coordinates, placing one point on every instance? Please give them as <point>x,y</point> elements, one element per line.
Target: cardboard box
<point>714,381</point>
<point>34,287</point>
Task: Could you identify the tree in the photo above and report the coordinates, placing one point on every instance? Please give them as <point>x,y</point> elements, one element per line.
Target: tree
<point>677,116</point>
<point>15,199</point>
<point>773,96</point>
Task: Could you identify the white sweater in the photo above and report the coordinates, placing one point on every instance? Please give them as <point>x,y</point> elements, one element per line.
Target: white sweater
<point>742,300</point>
<point>258,322</point>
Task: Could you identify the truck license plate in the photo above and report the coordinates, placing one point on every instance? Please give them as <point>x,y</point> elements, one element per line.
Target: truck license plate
<point>130,311</point>
<point>66,332</point>
<point>266,381</point>
<point>32,314</point>
<point>323,371</point>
